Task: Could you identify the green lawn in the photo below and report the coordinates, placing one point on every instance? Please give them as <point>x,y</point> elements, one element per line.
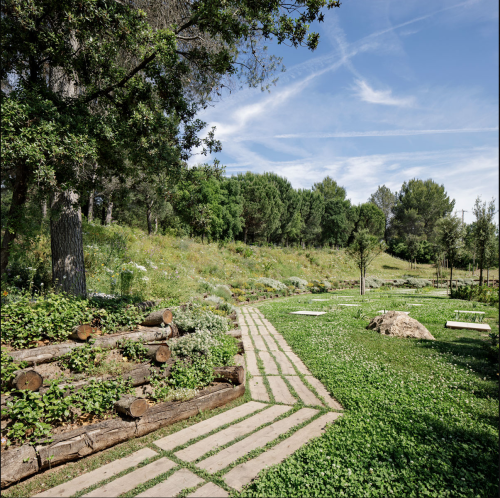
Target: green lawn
<point>421,416</point>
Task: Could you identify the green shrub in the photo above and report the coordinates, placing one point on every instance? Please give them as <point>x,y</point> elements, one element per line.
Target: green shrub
<point>83,358</point>
<point>269,282</point>
<point>374,282</point>
<point>481,294</point>
<point>194,318</point>
<point>297,282</point>
<point>133,350</point>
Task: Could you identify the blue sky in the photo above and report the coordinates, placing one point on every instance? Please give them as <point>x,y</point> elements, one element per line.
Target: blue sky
<point>396,90</point>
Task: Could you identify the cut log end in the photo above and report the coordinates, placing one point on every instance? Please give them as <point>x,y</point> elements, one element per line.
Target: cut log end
<point>27,380</point>
<point>81,332</point>
<point>163,354</point>
<point>132,406</point>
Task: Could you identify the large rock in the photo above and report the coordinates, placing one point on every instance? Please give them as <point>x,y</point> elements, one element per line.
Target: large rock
<point>399,324</point>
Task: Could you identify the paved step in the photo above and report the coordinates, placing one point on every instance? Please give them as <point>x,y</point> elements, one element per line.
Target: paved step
<point>209,490</point>
<point>105,472</point>
<point>244,329</point>
<point>195,451</point>
<point>270,367</point>
<point>281,341</point>
<point>251,360</point>
<point>280,390</point>
<point>271,343</point>
<point>321,390</point>
<point>304,394</point>
<point>260,345</point>
<point>245,472</point>
<point>183,436</point>
<point>284,363</point>
<point>253,329</point>
<point>258,389</point>
<point>298,363</point>
<point>262,330</point>
<point>178,481</point>
<point>132,480</point>
<point>257,440</point>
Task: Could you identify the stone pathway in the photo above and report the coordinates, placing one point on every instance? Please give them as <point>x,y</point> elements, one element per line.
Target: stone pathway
<point>277,380</point>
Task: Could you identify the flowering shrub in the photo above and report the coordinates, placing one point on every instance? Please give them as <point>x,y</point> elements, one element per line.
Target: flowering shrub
<point>300,283</point>
<point>374,282</point>
<point>269,282</point>
<point>194,318</point>
<point>418,282</point>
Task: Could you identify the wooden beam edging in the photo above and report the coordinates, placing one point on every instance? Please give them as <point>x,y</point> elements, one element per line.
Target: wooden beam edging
<point>45,354</point>
<point>27,460</point>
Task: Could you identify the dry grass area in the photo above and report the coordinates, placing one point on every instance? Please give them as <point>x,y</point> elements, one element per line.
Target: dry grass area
<point>174,267</point>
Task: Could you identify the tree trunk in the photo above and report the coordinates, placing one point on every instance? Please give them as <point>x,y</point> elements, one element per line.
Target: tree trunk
<point>46,354</point>
<point>487,276</point>
<point>68,266</point>
<point>109,212</point>
<point>157,318</point>
<point>451,278</point>
<point>156,225</point>
<point>90,212</point>
<point>27,380</point>
<point>15,215</point>
<point>148,217</point>
<point>245,234</point>
<point>44,208</point>
<point>131,406</point>
<point>480,275</point>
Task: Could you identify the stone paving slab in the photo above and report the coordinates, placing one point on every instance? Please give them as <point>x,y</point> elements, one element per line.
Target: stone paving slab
<point>178,481</point>
<point>309,313</point>
<point>253,329</point>
<point>270,367</point>
<point>262,330</point>
<point>304,393</point>
<point>257,440</point>
<point>282,343</point>
<point>352,305</point>
<point>105,472</point>
<point>209,490</point>
<point>271,343</point>
<point>183,436</point>
<point>387,311</point>
<point>195,451</point>
<point>280,390</point>
<point>260,345</point>
<point>284,363</point>
<point>132,480</point>
<point>321,390</point>
<point>298,363</point>
<point>247,343</point>
<point>251,360</point>
<point>245,472</point>
<point>469,326</point>
<point>258,389</point>
<point>244,329</point>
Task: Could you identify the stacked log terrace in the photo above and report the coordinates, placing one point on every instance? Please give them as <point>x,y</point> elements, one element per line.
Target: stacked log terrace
<point>135,417</point>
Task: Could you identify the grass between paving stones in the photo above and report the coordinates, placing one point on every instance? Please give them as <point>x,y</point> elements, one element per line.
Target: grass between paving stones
<point>257,451</point>
<point>152,482</point>
<point>64,473</point>
<point>260,365</point>
<point>421,417</point>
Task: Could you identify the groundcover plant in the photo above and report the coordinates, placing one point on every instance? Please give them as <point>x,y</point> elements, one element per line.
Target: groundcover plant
<point>421,416</point>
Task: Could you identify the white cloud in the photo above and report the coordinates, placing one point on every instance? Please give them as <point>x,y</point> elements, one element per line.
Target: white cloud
<point>384,97</point>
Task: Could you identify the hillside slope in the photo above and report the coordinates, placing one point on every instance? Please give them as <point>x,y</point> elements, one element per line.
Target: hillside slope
<point>165,266</point>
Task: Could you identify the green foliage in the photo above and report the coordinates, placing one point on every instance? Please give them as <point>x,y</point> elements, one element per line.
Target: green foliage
<point>133,350</point>
<point>53,315</point>
<point>83,358</point>
<point>195,317</point>
<point>33,415</point>
<point>8,369</point>
<point>191,372</point>
<point>297,282</point>
<point>274,284</point>
<point>482,294</point>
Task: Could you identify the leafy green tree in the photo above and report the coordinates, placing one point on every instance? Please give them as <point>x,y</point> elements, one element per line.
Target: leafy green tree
<point>385,200</point>
<point>364,249</point>
<point>336,222</point>
<point>413,243</point>
<point>371,217</point>
<point>312,207</point>
<point>329,189</point>
<point>418,206</point>
<point>450,235</point>
<point>262,206</point>
<point>484,231</point>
